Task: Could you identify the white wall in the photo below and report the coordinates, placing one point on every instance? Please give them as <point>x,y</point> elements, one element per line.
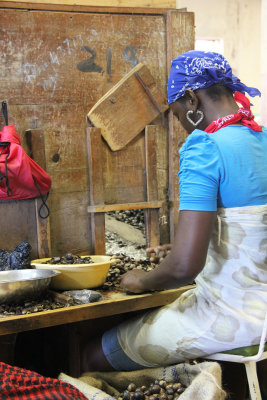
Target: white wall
<point>264,63</point>
<point>238,23</point>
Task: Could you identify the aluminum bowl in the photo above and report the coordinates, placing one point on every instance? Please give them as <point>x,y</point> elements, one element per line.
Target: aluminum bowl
<point>19,285</point>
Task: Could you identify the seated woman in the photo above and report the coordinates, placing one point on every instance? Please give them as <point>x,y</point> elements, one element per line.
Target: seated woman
<point>221,237</point>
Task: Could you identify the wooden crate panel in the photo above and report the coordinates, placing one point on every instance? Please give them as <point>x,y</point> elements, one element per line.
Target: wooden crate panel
<point>69,57</point>
<point>55,66</point>
<point>70,224</point>
<point>124,173</point>
<point>18,223</point>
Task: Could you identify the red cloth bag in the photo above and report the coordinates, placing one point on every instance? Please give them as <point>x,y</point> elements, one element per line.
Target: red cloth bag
<point>20,176</point>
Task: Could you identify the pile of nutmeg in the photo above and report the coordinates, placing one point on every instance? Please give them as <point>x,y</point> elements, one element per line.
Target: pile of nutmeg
<point>69,258</point>
<point>158,390</point>
<point>120,264</point>
<point>132,217</point>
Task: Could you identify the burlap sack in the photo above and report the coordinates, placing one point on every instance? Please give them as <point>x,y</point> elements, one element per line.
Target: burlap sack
<point>202,381</point>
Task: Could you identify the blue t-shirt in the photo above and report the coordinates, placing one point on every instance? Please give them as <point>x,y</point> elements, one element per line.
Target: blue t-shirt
<point>227,168</point>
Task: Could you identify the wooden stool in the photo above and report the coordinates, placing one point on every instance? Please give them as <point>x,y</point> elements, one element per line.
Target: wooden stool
<point>249,356</point>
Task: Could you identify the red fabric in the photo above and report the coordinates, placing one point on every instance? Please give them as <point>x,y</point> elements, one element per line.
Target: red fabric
<point>243,115</point>
<point>21,384</point>
<point>20,169</point>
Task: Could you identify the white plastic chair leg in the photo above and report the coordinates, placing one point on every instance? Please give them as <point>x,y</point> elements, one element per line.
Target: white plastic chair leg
<point>254,388</point>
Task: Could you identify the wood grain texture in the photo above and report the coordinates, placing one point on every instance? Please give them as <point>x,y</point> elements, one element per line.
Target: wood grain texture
<point>125,110</point>
<point>36,145</point>
<point>55,67</point>
<point>151,215</point>
<point>123,303</point>
<point>70,230</point>
<point>125,206</point>
<point>95,159</point>
<point>182,28</point>
<point>42,230</point>
<point>161,134</point>
<point>93,5</point>
<point>18,223</point>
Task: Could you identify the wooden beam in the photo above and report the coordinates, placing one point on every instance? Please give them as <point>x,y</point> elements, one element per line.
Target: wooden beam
<point>42,231</point>
<point>151,215</point>
<point>106,3</point>
<point>170,56</point>
<point>137,7</point>
<point>36,144</point>
<point>125,206</point>
<point>95,159</point>
<point>179,39</point>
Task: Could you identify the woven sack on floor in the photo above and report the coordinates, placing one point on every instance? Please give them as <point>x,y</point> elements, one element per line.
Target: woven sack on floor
<point>202,381</point>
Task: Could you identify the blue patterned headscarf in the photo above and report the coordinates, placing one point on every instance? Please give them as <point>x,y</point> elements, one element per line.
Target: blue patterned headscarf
<point>199,70</point>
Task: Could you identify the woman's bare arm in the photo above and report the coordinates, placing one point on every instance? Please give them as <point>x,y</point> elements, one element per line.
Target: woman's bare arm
<point>186,259</point>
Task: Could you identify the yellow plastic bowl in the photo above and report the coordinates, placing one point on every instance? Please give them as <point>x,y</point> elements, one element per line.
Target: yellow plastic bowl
<point>77,276</point>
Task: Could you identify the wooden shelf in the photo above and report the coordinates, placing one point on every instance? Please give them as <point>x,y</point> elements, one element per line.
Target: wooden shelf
<point>116,303</point>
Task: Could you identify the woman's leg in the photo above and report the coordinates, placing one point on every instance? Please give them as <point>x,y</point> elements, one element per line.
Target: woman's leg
<point>93,358</point>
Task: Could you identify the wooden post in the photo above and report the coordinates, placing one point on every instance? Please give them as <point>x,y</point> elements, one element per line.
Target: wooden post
<point>152,214</point>
<point>43,232</point>
<point>179,39</point>
<point>36,145</point>
<point>95,160</point>
<point>170,125</point>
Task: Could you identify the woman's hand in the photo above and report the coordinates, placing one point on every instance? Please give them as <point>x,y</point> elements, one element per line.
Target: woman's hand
<point>157,254</point>
<point>133,281</point>
<point>184,262</point>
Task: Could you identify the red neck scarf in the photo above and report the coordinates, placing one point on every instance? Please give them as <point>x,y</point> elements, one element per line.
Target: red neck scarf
<point>243,115</point>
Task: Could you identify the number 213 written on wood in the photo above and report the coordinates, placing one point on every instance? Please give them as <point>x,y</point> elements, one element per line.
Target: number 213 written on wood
<point>89,65</point>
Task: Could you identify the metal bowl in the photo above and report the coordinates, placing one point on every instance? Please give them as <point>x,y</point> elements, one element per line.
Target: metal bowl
<point>18,285</point>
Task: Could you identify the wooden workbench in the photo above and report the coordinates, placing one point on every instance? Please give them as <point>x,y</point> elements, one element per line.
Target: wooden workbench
<point>113,306</point>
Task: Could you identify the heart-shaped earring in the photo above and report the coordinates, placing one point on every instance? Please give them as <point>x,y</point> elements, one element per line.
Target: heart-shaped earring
<point>199,114</point>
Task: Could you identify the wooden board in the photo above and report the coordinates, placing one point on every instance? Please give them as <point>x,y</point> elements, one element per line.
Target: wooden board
<point>18,223</point>
<point>151,215</point>
<point>177,134</point>
<point>118,304</point>
<point>125,110</point>
<point>97,221</point>
<point>104,3</point>
<point>45,89</point>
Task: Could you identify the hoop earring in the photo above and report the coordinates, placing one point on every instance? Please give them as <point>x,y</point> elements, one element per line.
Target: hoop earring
<point>199,114</point>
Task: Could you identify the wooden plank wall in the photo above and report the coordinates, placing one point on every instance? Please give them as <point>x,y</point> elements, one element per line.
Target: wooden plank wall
<point>55,66</point>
